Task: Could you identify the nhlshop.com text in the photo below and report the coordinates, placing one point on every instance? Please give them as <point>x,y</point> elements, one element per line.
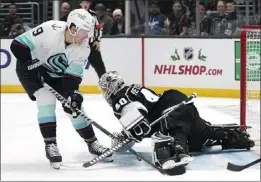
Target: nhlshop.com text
<point>186,70</point>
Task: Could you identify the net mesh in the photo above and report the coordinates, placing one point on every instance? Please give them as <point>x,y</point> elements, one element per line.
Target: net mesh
<point>253,83</point>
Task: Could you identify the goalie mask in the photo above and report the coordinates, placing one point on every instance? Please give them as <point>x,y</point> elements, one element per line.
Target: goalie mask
<point>111,83</point>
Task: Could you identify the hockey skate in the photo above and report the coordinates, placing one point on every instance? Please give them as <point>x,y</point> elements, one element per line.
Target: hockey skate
<point>120,137</point>
<point>53,155</point>
<point>97,149</point>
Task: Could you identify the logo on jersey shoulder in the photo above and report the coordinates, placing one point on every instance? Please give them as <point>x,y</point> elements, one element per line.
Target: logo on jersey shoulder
<point>136,89</point>
<point>57,64</point>
<point>54,26</point>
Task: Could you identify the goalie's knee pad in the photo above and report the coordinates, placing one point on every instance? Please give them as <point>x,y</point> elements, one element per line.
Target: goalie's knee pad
<point>165,148</point>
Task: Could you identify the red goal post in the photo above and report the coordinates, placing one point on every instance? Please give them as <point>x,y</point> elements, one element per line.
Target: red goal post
<point>250,79</point>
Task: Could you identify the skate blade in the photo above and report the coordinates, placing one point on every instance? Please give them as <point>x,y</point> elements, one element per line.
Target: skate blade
<point>56,165</point>
<point>172,164</point>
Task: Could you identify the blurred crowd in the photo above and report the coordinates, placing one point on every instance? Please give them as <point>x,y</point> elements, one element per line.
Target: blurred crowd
<point>216,18</point>
<point>178,17</point>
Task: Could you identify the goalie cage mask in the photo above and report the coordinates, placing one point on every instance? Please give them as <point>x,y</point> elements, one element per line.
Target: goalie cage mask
<point>111,83</point>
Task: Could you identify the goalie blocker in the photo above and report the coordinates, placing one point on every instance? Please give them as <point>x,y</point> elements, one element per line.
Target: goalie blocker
<point>179,133</point>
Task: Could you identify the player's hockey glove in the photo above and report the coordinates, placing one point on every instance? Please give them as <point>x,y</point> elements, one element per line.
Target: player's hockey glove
<point>135,125</point>
<point>75,99</point>
<point>32,65</point>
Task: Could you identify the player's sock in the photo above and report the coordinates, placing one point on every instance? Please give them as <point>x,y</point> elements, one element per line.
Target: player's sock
<point>48,130</point>
<point>87,133</point>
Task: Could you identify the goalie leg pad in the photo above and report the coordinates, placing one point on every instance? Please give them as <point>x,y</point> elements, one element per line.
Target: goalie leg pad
<point>237,139</point>
<point>168,153</point>
<point>229,137</point>
<point>161,148</point>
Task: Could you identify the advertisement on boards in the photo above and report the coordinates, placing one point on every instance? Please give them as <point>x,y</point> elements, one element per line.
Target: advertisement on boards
<point>253,60</point>
<point>5,58</point>
<point>198,63</point>
<point>182,64</point>
<point>124,56</point>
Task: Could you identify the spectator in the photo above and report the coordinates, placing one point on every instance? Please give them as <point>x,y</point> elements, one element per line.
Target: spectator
<point>229,7</point>
<point>85,4</point>
<point>12,20</point>
<point>223,24</point>
<point>189,7</point>
<point>109,12</point>
<point>156,19</point>
<point>118,27</point>
<point>211,5</point>
<point>105,19</point>
<point>204,23</point>
<point>16,29</point>
<point>65,10</point>
<point>179,21</point>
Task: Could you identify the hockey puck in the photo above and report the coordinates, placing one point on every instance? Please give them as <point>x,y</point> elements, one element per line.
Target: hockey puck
<point>179,170</point>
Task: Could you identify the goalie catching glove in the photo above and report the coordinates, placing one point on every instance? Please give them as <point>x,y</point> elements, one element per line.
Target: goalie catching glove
<point>75,99</point>
<point>135,125</point>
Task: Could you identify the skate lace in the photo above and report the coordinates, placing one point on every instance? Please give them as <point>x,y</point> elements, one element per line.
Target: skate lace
<point>53,150</point>
<point>97,147</point>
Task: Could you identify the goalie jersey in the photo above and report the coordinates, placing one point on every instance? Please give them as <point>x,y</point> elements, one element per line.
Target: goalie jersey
<point>47,44</point>
<point>155,104</point>
<point>133,94</point>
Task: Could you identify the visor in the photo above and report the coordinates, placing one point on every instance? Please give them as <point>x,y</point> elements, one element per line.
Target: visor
<point>82,34</point>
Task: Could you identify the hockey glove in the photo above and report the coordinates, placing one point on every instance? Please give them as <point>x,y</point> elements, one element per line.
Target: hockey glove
<point>75,99</point>
<point>32,65</point>
<point>135,125</point>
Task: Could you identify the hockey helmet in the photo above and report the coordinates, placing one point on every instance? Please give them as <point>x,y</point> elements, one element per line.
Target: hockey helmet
<point>83,21</point>
<point>111,83</point>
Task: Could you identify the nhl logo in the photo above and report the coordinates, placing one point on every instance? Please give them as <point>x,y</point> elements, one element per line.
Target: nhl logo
<point>188,53</point>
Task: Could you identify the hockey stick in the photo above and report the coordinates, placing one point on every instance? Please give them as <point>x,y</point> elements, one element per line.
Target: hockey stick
<point>126,141</point>
<point>112,150</point>
<point>234,167</point>
<point>123,143</point>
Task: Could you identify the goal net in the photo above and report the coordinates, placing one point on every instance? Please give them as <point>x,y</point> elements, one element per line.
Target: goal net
<point>250,80</point>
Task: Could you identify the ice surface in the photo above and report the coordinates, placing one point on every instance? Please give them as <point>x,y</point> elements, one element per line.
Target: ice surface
<point>23,154</point>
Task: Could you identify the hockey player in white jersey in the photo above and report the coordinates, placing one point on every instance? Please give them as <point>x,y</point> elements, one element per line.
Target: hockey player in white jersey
<point>57,52</point>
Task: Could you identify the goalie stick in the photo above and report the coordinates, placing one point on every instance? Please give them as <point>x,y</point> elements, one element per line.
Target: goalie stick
<point>234,167</point>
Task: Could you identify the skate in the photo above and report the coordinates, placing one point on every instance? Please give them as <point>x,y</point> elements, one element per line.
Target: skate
<point>53,155</point>
<point>120,138</point>
<point>97,149</point>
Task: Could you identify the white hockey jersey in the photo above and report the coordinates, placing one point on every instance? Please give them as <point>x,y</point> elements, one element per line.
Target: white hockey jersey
<point>47,44</point>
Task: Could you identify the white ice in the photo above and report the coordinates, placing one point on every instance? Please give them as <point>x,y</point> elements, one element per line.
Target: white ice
<point>23,154</point>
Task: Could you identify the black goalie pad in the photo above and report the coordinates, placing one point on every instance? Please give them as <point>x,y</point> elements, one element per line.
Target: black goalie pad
<point>235,137</point>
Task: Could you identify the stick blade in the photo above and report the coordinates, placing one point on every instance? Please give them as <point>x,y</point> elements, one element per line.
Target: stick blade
<point>233,167</point>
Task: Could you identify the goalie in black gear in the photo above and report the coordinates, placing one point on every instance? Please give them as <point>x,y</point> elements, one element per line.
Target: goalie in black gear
<point>175,136</point>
